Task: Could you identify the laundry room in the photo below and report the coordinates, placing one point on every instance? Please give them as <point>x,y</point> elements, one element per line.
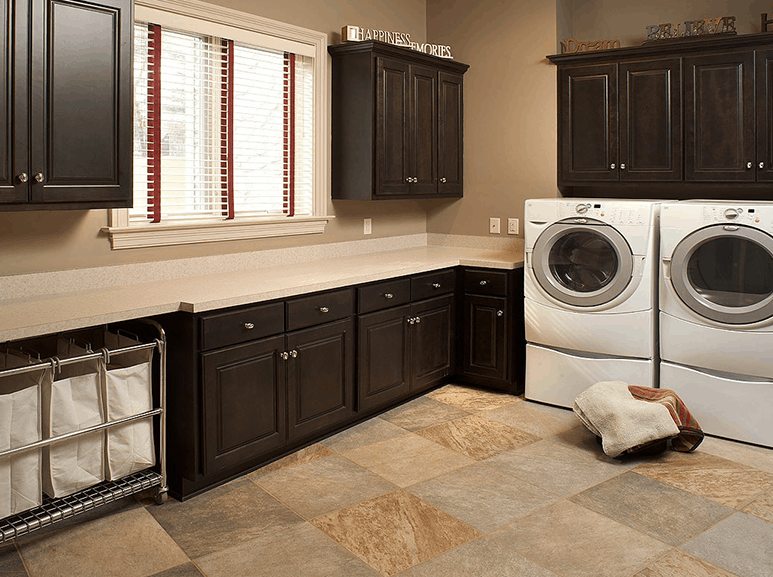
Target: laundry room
<point>406,288</point>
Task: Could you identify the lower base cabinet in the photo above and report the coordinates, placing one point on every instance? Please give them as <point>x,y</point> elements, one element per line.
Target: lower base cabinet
<point>249,384</point>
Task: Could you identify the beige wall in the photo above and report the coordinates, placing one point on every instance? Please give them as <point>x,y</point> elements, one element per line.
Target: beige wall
<point>627,20</point>
<point>509,108</point>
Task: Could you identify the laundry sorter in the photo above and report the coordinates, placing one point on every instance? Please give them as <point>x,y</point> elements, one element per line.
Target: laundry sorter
<point>82,423</point>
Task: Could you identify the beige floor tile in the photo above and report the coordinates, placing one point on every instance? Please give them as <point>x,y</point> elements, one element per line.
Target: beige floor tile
<point>422,413</point>
<point>477,437</point>
<point>573,541</point>
<point>471,399</point>
<point>751,455</point>
<point>557,467</point>
<point>395,531</point>
<point>534,418</point>
<point>709,476</point>
<point>222,517</point>
<point>658,510</point>
<point>484,557</point>
<point>323,485</point>
<point>127,543</point>
<point>679,564</point>
<point>762,506</point>
<point>482,496</point>
<point>298,551</point>
<point>408,459</point>
<point>305,455</point>
<point>371,431</point>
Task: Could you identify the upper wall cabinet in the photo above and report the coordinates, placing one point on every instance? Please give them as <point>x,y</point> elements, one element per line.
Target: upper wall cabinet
<point>675,119</point>
<point>66,107</point>
<point>397,127</point>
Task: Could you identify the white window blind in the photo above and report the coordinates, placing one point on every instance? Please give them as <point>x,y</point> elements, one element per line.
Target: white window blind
<point>222,129</point>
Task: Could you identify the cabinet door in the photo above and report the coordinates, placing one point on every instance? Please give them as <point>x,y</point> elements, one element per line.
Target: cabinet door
<point>485,337</point>
<point>383,357</point>
<point>244,403</point>
<point>450,134</point>
<point>392,126</point>
<point>719,117</point>
<point>651,120</point>
<point>14,97</point>
<point>320,377</point>
<point>764,159</point>
<point>423,134</point>
<point>432,341</point>
<point>81,102</point>
<point>588,123</point>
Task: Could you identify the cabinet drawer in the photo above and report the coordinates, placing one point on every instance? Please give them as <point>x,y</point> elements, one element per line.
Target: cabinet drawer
<point>384,295</point>
<point>485,282</point>
<point>320,308</point>
<point>241,325</point>
<point>432,284</point>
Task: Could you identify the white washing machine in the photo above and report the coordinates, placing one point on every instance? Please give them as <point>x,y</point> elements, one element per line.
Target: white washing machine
<point>590,295</point>
<point>716,314</point>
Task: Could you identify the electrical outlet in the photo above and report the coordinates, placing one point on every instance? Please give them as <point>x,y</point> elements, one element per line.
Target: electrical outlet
<point>493,225</point>
<point>366,226</point>
<point>512,226</point>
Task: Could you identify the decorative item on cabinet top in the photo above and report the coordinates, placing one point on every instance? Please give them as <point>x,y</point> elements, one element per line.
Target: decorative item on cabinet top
<point>397,123</point>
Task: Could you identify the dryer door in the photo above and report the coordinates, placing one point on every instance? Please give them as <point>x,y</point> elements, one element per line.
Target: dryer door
<point>725,273</point>
<point>582,262</point>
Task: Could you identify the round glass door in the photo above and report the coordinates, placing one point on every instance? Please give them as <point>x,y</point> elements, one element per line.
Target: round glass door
<point>725,273</point>
<point>582,264</point>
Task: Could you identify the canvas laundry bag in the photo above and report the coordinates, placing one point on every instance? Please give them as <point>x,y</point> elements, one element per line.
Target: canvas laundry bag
<point>20,474</point>
<point>128,392</point>
<point>72,402</point>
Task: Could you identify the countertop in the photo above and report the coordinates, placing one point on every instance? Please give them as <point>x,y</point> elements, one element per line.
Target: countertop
<point>24,317</point>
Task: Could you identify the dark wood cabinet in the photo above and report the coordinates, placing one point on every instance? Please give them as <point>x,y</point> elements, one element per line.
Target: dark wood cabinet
<point>66,124</point>
<point>493,344</point>
<point>397,127</point>
<point>688,118</point>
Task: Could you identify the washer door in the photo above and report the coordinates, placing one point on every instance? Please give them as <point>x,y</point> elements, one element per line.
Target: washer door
<point>582,262</point>
<point>725,273</point>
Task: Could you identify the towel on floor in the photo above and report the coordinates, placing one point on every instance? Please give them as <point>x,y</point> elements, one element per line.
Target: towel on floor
<point>623,422</point>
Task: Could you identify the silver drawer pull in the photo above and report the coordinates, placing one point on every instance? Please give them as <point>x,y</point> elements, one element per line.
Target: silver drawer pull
<point>388,295</point>
<point>436,285</point>
<point>324,310</point>
<point>483,282</point>
<point>249,326</point>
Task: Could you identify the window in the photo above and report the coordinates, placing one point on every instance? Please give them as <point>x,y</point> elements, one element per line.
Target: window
<point>227,128</point>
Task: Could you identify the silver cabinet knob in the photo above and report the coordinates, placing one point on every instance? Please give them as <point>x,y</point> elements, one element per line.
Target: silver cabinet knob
<point>612,166</point>
<point>324,310</point>
<point>748,165</point>
<point>500,313</point>
<point>39,177</point>
<point>388,295</point>
<point>622,166</point>
<point>23,177</point>
<point>249,326</point>
<point>762,165</point>
<point>442,180</point>
<point>436,285</point>
<point>284,355</point>
<point>483,282</point>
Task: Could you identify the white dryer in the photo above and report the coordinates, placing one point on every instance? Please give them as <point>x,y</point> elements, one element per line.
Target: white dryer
<point>590,295</point>
<point>716,314</point>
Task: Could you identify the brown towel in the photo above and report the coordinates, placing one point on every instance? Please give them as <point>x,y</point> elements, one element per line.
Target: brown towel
<point>690,433</point>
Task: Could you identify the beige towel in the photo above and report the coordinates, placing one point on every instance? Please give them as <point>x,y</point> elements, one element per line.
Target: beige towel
<point>610,411</point>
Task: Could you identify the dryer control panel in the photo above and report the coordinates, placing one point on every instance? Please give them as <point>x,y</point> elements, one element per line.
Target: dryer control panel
<point>630,213</point>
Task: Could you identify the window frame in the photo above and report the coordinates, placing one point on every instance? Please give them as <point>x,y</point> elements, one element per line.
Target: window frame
<point>125,234</point>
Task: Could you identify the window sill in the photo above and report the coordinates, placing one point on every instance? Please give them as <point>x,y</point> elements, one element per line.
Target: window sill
<point>150,235</point>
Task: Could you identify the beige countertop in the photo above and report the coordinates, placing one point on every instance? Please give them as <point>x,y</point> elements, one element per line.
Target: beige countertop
<point>43,314</point>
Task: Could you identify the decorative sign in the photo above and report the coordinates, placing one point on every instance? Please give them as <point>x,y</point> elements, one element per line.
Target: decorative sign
<point>572,46</point>
<point>357,34</point>
<point>705,27</point>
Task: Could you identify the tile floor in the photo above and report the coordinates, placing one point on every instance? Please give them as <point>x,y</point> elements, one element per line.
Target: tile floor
<point>458,483</point>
